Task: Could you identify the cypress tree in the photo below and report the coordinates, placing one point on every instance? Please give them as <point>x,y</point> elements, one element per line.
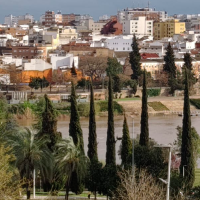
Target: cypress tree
<point>170,68</point>
<point>144,135</point>
<point>135,58</point>
<point>187,157</point>
<point>169,59</point>
<point>49,129</point>
<point>92,139</point>
<point>126,150</point>
<point>49,123</point>
<point>75,130</point>
<point>188,64</point>
<point>73,70</point>
<point>110,143</point>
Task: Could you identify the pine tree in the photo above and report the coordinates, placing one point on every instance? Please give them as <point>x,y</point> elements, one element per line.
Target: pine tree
<point>110,143</point>
<point>135,59</point>
<point>126,150</point>
<point>49,123</point>
<point>187,157</point>
<point>144,135</point>
<point>75,130</point>
<point>92,139</point>
<point>188,64</point>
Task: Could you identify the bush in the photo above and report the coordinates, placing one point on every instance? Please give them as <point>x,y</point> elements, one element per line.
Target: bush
<point>195,102</point>
<point>104,107</point>
<point>153,92</point>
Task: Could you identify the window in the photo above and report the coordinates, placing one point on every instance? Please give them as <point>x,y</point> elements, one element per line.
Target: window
<point>123,48</point>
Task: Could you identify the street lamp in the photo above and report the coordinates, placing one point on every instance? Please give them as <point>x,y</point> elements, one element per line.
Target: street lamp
<point>167,182</point>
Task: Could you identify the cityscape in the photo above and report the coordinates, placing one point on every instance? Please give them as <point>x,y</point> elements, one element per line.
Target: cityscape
<point>100,109</point>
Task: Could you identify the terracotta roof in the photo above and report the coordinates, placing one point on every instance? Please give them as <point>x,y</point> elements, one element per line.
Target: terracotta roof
<point>149,55</point>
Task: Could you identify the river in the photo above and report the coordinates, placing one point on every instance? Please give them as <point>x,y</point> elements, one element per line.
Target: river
<point>161,128</point>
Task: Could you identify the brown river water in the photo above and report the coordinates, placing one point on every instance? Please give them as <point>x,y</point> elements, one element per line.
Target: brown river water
<point>161,128</point>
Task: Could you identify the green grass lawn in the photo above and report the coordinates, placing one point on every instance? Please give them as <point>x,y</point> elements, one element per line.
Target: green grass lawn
<point>197,177</point>
<point>128,99</point>
<point>62,193</point>
<point>157,106</point>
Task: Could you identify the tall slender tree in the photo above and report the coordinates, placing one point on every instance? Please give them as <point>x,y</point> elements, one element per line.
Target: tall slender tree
<point>49,123</point>
<point>126,150</point>
<point>170,68</point>
<point>135,59</point>
<point>110,143</point>
<point>169,59</point>
<point>144,134</point>
<point>188,64</point>
<point>187,157</point>
<point>75,130</point>
<point>92,139</point>
<point>95,167</point>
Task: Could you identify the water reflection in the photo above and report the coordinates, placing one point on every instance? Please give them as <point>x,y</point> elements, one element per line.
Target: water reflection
<point>162,129</point>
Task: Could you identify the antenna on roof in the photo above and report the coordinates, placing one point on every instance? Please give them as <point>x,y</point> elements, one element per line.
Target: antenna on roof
<point>148,4</point>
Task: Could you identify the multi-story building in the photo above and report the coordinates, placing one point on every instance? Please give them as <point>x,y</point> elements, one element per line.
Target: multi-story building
<point>10,20</point>
<point>67,18</point>
<point>13,20</point>
<point>168,28</point>
<point>95,27</point>
<point>26,52</point>
<point>151,14</point>
<point>42,19</point>
<point>49,18</point>
<point>112,27</point>
<point>67,34</point>
<point>58,18</point>
<point>138,26</point>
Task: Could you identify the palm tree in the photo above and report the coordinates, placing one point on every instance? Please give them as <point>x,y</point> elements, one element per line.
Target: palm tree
<point>31,154</point>
<point>70,159</point>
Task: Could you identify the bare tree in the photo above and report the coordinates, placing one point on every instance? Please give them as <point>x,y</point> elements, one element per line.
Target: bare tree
<point>145,187</point>
<point>93,66</point>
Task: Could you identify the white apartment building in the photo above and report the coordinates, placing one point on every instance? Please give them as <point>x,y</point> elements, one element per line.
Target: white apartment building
<point>4,38</point>
<point>119,43</point>
<point>64,61</point>
<point>130,13</point>
<point>10,20</point>
<point>138,26</point>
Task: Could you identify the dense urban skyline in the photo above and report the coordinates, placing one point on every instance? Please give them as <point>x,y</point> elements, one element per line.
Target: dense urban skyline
<point>93,7</point>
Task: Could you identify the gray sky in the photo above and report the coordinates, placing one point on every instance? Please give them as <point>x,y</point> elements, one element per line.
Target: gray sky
<point>95,8</point>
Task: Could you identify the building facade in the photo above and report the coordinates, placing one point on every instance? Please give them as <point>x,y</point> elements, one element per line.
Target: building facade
<point>138,26</point>
<point>168,28</point>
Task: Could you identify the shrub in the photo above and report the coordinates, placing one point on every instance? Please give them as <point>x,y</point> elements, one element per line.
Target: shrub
<point>104,107</point>
<point>153,92</point>
<point>195,102</point>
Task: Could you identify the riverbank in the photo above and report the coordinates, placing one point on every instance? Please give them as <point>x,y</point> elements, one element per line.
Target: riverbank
<point>158,105</point>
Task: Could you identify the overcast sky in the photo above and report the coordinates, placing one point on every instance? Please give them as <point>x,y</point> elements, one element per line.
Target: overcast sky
<point>95,8</point>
